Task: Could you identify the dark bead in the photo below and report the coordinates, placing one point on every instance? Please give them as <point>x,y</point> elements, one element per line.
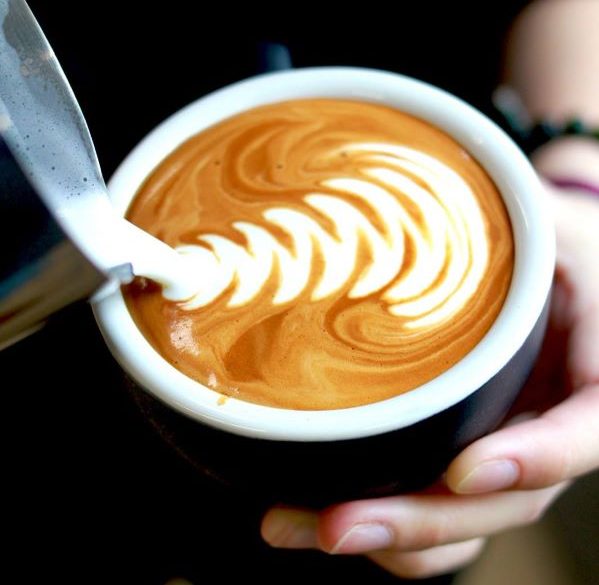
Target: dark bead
<point>548,129</point>
<point>575,126</point>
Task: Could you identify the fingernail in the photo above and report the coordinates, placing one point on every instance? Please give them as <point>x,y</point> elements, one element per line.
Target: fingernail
<point>362,538</point>
<point>290,529</point>
<point>490,476</point>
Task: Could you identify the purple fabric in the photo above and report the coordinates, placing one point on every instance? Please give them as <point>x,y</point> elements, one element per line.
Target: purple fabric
<point>568,183</point>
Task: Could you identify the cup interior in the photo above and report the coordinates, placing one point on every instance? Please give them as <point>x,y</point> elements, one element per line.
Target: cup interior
<point>504,162</point>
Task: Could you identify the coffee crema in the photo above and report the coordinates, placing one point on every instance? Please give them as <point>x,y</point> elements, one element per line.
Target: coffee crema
<point>355,252</point>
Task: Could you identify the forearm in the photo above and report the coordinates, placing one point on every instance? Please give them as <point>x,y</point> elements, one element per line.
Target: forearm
<point>552,60</point>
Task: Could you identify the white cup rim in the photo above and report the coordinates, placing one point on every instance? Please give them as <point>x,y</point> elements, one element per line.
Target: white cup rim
<point>506,164</point>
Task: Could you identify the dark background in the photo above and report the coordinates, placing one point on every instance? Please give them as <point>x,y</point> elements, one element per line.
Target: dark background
<point>133,63</point>
<point>95,494</point>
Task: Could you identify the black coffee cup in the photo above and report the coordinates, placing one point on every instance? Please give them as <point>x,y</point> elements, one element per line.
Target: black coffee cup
<point>400,444</point>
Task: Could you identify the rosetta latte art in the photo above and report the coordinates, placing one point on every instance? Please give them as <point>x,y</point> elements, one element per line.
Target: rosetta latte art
<point>448,237</point>
<point>352,252</point>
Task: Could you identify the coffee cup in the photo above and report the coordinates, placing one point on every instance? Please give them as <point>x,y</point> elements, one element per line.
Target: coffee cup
<point>402,443</point>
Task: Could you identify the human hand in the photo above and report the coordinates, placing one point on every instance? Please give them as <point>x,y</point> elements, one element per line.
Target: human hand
<point>508,478</point>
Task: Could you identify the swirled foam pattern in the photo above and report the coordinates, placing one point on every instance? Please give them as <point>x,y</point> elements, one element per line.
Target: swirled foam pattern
<point>355,252</point>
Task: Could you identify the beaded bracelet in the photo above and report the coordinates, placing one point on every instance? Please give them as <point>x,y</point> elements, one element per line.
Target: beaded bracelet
<point>530,134</point>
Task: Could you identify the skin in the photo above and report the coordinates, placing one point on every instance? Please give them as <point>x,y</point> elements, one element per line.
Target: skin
<point>508,478</point>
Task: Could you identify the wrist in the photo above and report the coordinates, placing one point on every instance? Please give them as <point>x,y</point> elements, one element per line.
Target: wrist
<point>570,163</point>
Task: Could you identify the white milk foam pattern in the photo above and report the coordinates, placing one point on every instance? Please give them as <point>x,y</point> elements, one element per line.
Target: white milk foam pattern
<point>449,241</point>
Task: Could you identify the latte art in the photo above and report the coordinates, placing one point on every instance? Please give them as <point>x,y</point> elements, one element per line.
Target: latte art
<point>412,196</point>
<point>354,252</point>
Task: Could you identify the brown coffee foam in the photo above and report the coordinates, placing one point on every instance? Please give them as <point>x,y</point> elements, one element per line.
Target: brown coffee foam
<point>333,353</point>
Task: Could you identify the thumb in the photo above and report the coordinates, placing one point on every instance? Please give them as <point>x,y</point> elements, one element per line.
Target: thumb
<point>559,445</point>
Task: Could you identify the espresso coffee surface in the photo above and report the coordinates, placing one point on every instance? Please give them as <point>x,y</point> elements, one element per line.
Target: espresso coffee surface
<point>356,253</point>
